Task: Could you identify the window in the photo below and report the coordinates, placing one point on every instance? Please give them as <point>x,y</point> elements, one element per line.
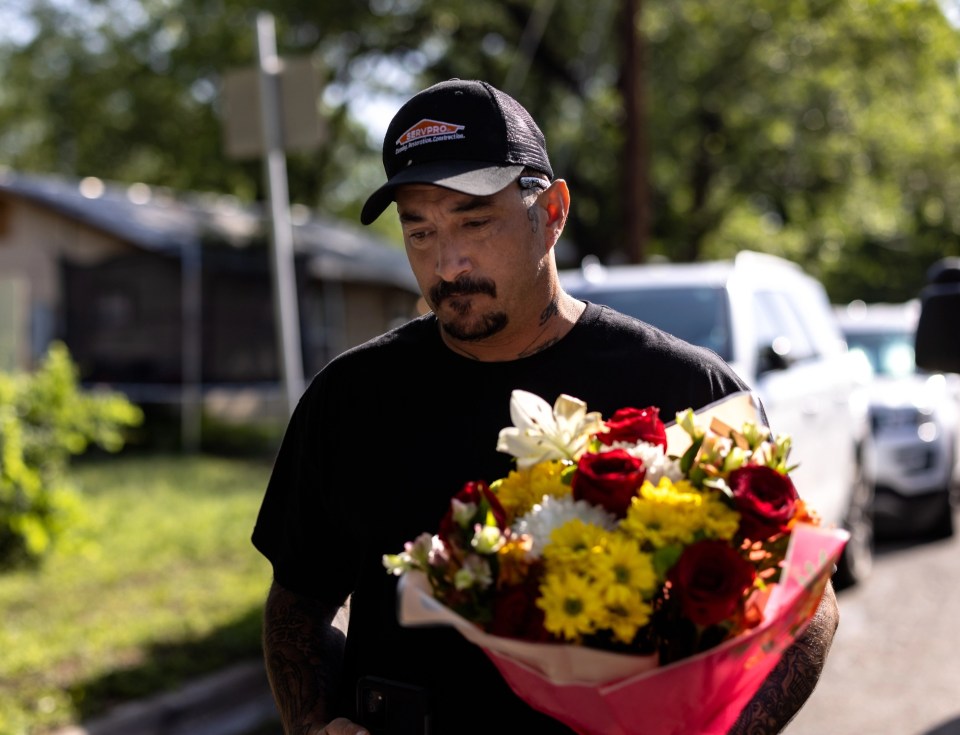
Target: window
<point>114,309</point>
<point>697,314</point>
<point>780,326</point>
<point>890,353</point>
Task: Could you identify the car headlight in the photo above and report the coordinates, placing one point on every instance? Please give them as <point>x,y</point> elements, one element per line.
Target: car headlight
<point>928,431</point>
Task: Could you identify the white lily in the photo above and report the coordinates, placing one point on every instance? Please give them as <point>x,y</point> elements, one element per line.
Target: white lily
<point>540,433</point>
<point>462,512</point>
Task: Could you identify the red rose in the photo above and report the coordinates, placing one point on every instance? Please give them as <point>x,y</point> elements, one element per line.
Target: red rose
<point>515,613</point>
<point>633,425</point>
<point>709,581</point>
<point>480,494</point>
<point>608,479</point>
<point>765,498</point>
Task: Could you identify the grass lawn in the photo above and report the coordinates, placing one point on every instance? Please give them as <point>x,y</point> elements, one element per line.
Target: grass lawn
<point>162,586</point>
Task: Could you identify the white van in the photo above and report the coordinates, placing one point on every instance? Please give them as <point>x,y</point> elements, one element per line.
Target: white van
<point>774,325</point>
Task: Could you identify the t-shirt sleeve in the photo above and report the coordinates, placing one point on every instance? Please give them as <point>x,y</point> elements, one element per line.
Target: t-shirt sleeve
<point>697,376</point>
<point>723,381</point>
<point>304,524</point>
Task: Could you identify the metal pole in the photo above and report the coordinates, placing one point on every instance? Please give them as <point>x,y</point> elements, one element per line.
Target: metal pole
<point>191,399</point>
<point>281,230</point>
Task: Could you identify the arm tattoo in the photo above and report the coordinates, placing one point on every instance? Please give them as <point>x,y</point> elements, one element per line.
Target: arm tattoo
<point>303,653</point>
<point>779,699</point>
<point>793,679</point>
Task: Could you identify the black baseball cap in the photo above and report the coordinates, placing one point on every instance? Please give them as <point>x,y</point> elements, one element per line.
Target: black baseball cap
<point>464,135</point>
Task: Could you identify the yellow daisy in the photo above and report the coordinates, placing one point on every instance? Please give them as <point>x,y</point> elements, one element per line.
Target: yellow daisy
<point>573,544</point>
<point>627,617</point>
<point>571,605</point>
<point>670,513</point>
<point>519,491</point>
<point>623,571</point>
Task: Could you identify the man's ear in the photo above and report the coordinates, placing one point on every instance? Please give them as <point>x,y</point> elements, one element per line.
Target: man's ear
<point>556,203</point>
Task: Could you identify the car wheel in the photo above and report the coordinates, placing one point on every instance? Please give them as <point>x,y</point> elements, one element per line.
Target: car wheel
<point>947,502</point>
<point>943,525</point>
<point>856,561</point>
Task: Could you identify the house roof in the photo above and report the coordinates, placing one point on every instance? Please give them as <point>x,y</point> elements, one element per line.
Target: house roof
<point>159,220</point>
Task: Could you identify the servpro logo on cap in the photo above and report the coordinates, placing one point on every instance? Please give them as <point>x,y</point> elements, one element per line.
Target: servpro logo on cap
<point>429,131</point>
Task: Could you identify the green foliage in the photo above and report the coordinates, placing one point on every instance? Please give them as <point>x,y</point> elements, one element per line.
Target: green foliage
<point>825,131</point>
<point>241,439</point>
<point>45,418</point>
<point>169,589</point>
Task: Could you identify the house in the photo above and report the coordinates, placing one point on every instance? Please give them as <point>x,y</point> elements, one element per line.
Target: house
<point>151,290</point>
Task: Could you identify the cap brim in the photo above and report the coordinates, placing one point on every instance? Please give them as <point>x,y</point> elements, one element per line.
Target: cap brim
<point>467,177</point>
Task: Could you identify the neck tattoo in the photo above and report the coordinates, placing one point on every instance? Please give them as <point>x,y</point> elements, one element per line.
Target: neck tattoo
<point>538,344</point>
<point>533,350</point>
<point>551,310</point>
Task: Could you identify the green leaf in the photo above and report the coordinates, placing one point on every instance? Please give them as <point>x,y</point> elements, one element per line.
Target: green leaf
<point>686,461</point>
<point>664,558</point>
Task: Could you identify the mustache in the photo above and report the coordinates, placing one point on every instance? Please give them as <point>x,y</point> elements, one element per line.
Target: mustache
<point>462,287</point>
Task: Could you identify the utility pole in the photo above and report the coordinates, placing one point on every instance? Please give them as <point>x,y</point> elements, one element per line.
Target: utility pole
<point>637,214</point>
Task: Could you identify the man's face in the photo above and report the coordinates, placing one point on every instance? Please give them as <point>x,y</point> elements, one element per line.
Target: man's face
<point>479,261</point>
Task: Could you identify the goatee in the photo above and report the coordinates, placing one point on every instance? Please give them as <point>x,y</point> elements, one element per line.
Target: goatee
<point>487,326</point>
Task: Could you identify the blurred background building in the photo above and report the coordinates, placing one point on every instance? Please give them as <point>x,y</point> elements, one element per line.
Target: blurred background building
<point>152,289</point>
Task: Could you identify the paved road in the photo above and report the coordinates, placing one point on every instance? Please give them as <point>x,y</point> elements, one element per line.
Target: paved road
<point>234,701</point>
<point>894,668</point>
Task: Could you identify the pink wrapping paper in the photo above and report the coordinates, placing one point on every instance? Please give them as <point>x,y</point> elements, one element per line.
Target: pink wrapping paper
<point>602,693</point>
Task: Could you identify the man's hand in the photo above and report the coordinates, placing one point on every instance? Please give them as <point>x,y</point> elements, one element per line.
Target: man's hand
<point>341,726</point>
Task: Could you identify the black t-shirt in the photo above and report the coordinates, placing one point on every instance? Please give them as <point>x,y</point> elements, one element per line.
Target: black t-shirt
<point>389,431</point>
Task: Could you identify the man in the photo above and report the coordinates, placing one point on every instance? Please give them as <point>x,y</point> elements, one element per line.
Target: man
<point>389,431</point>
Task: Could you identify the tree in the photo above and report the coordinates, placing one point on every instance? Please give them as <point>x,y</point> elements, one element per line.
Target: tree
<point>129,90</point>
<point>822,130</point>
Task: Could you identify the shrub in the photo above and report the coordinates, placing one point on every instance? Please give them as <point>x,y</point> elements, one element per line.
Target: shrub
<point>45,418</point>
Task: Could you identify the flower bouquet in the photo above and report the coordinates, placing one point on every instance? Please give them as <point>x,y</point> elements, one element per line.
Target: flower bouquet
<point>627,576</point>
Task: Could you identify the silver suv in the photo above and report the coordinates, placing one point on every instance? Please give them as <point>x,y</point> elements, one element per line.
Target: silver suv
<point>774,325</point>
<point>914,419</point>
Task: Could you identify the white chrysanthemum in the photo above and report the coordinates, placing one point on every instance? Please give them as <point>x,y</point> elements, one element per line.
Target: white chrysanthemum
<point>552,513</point>
<point>655,460</point>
